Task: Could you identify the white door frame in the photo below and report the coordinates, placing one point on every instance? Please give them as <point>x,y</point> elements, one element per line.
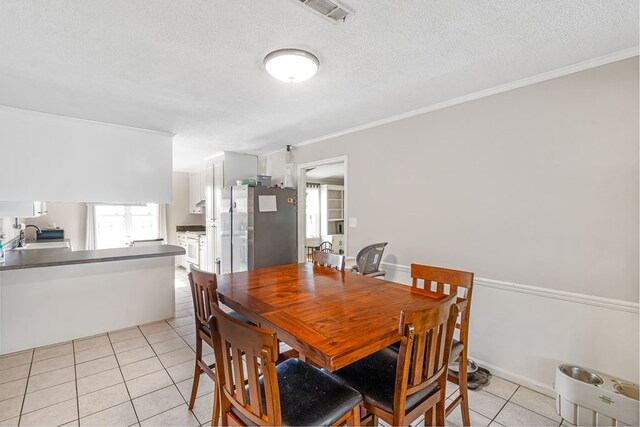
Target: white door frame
<point>302,191</point>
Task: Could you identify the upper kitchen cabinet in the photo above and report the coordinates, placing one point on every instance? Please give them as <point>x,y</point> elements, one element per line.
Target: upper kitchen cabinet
<point>197,187</point>
<point>64,159</point>
<point>22,209</point>
<point>223,171</point>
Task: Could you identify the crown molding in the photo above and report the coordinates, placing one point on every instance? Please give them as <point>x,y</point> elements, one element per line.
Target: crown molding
<point>527,81</point>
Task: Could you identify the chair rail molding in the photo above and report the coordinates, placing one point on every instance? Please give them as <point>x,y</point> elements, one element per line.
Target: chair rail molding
<point>614,304</point>
<point>522,332</point>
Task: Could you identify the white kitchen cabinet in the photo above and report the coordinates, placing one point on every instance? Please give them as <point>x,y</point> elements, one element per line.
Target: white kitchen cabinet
<point>22,209</point>
<point>196,192</point>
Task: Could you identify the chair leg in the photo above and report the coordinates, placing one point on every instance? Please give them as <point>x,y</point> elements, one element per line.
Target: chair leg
<point>354,419</point>
<point>428,417</point>
<point>216,405</point>
<point>464,391</point>
<point>197,372</point>
<point>440,413</point>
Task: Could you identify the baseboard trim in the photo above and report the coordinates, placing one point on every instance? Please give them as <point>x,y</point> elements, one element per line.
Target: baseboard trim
<point>612,304</point>
<point>515,378</point>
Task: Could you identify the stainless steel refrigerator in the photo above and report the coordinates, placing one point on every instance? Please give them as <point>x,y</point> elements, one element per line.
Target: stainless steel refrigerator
<point>257,228</point>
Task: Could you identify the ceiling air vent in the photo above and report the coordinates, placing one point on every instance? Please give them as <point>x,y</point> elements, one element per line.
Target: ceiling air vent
<point>330,10</point>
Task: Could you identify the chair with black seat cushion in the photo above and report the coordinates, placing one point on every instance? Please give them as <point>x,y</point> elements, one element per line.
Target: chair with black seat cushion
<point>451,282</point>
<point>329,260</point>
<point>368,260</point>
<point>399,387</point>
<point>203,292</point>
<point>258,392</point>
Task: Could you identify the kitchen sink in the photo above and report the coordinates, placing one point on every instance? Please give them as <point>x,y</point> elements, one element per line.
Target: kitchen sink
<point>45,245</point>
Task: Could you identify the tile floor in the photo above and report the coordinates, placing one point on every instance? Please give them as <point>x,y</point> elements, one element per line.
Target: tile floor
<point>143,375</point>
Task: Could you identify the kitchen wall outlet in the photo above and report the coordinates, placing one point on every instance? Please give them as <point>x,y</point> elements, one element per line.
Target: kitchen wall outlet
<point>353,222</point>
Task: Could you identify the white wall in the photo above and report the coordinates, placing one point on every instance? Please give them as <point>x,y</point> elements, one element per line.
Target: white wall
<point>178,211</point>
<point>63,159</point>
<point>72,217</point>
<point>537,186</point>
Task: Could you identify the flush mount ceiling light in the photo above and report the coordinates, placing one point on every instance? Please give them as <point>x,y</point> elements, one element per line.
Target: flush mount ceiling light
<point>291,65</point>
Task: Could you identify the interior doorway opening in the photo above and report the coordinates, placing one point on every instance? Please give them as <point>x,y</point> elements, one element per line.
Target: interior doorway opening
<point>322,207</point>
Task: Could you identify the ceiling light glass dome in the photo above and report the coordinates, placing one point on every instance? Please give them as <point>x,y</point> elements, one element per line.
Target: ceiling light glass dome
<point>291,65</point>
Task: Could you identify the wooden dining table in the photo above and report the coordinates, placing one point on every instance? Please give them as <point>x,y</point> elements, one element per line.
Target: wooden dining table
<point>331,318</point>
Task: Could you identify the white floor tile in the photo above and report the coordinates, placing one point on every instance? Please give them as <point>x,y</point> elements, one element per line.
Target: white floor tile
<point>60,413</point>
<point>155,327</point>
<point>51,364</point>
<point>10,408</point>
<point>485,404</point>
<point>93,353</point>
<point>96,366</point>
<point>537,402</point>
<point>51,378</point>
<point>89,343</point>
<point>15,359</point>
<point>178,416</point>
<point>176,357</point>
<point>170,345</point>
<point>140,368</point>
<point>102,399</point>
<point>501,388</point>
<point>99,381</point>
<point>119,415</point>
<point>162,336</point>
<point>135,355</point>
<point>182,371</point>
<point>205,386</point>
<point>514,415</point>
<point>148,383</point>
<point>13,389</point>
<point>15,373</point>
<point>124,334</point>
<point>157,402</point>
<point>48,352</point>
<point>49,396</point>
<point>203,408</point>
<point>129,344</point>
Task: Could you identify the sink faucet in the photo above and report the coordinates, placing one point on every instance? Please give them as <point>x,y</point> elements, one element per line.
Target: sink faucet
<point>22,238</point>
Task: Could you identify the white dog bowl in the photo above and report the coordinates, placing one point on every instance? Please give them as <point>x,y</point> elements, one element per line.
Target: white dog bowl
<point>585,397</point>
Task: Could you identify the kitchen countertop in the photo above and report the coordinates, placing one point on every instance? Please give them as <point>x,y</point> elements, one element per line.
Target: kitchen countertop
<point>36,258</point>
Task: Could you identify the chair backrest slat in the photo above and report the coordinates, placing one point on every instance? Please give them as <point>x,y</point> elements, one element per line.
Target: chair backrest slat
<point>424,350</point>
<point>204,293</point>
<point>457,281</point>
<point>232,339</point>
<point>329,260</point>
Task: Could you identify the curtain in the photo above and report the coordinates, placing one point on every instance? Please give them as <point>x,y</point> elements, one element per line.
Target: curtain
<point>162,222</point>
<point>90,242</point>
<point>312,211</point>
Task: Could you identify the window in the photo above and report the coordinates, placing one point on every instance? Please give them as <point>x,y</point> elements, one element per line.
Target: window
<point>312,210</point>
<point>118,225</point>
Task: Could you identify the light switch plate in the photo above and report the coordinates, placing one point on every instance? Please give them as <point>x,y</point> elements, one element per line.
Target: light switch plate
<point>353,222</point>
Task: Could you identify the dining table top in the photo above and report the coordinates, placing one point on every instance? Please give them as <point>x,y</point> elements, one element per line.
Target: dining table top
<point>332,318</point>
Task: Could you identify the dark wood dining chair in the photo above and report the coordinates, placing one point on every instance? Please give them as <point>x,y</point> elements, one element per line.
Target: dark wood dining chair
<point>329,260</point>
<point>459,283</point>
<point>258,392</point>
<point>203,292</point>
<point>400,386</point>
<point>325,247</point>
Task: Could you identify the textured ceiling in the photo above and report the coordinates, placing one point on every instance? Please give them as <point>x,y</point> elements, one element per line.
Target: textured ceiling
<point>195,67</point>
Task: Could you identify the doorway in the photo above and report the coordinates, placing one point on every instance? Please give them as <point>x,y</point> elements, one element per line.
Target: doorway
<point>322,207</point>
